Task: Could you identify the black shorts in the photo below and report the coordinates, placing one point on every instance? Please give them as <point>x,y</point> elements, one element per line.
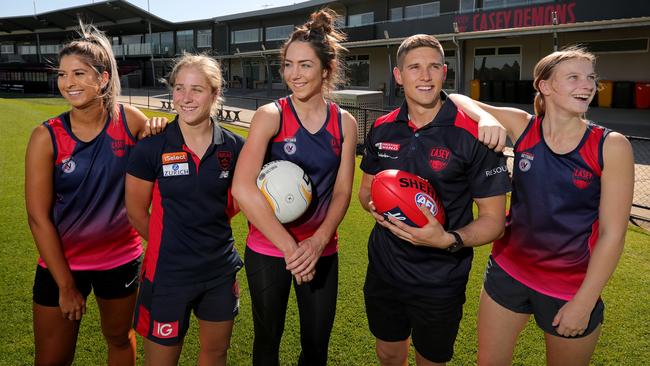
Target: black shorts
<point>394,315</point>
<point>115,283</point>
<point>162,313</point>
<point>519,298</point>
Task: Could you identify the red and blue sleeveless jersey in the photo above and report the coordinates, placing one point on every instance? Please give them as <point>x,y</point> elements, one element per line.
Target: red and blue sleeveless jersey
<point>552,226</point>
<point>319,155</point>
<point>88,183</point>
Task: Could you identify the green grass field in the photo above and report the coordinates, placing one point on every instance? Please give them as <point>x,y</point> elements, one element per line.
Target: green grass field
<point>626,332</point>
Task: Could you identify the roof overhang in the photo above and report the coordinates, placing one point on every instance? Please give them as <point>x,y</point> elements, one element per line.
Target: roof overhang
<point>510,32</point>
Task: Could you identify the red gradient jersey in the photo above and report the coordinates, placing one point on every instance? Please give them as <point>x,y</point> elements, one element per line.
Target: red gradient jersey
<point>553,222</point>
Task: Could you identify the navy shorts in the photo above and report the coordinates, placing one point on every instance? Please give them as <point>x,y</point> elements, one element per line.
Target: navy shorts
<point>519,298</point>
<point>395,315</point>
<point>162,313</point>
<point>115,283</point>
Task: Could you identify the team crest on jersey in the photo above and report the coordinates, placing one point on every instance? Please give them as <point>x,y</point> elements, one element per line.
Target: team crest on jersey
<point>118,147</point>
<point>336,146</point>
<point>290,148</point>
<point>68,165</point>
<point>439,158</point>
<point>225,157</point>
<point>582,178</point>
<point>526,161</point>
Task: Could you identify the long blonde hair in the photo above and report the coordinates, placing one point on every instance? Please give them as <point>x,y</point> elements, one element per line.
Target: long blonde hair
<point>545,67</point>
<point>94,49</point>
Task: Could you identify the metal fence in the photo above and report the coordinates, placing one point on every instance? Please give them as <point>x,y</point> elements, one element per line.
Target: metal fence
<point>640,216</point>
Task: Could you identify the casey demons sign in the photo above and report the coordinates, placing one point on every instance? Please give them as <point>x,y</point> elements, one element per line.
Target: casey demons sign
<point>529,16</point>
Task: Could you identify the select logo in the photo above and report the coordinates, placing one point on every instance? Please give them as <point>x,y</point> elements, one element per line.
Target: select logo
<point>175,157</point>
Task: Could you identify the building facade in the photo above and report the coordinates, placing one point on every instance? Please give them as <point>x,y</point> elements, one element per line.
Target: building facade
<point>491,46</point>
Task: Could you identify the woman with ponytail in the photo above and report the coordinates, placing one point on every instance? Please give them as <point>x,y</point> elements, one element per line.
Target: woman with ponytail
<point>572,191</point>
<point>316,134</point>
<point>74,190</point>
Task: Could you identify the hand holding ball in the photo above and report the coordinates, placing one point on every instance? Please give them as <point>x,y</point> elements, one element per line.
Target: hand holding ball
<point>287,188</point>
<point>399,194</point>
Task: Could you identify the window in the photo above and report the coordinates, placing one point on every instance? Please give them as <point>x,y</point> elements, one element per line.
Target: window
<point>426,10</point>
<point>396,14</point>
<point>246,36</point>
<point>7,49</point>
<point>279,33</point>
<point>358,70</point>
<point>497,63</point>
<point>204,38</point>
<point>617,45</point>
<point>133,39</point>
<point>184,41</point>
<point>50,49</point>
<point>450,61</point>
<point>167,43</point>
<point>491,4</point>
<point>274,69</point>
<point>27,50</point>
<point>358,20</point>
<point>467,6</point>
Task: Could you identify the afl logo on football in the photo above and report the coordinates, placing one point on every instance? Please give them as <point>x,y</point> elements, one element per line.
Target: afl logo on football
<point>289,148</point>
<point>439,158</point>
<point>525,164</point>
<point>68,165</point>
<point>422,199</point>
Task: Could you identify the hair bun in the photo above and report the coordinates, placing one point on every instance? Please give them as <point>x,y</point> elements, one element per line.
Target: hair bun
<point>322,21</point>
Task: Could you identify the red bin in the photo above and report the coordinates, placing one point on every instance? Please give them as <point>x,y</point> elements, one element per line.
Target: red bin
<point>642,100</point>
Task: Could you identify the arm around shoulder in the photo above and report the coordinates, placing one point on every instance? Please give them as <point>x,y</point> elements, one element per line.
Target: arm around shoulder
<point>513,119</point>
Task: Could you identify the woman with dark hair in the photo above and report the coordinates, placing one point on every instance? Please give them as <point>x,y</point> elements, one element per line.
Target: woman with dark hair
<point>317,135</point>
<point>74,191</point>
<point>572,191</point>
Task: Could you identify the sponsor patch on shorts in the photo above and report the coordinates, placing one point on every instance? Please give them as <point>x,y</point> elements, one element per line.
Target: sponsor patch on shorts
<point>165,330</point>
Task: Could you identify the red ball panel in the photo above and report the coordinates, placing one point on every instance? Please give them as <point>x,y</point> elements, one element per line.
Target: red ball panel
<point>398,193</point>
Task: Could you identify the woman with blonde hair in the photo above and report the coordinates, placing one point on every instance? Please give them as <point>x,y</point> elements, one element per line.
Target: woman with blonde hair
<point>185,176</point>
<point>572,191</point>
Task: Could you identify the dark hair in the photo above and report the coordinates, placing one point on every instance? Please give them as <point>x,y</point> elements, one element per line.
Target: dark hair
<point>95,50</point>
<point>321,33</point>
<point>417,41</point>
<point>546,66</point>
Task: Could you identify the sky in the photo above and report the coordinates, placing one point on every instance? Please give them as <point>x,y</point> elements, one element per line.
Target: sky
<point>172,10</point>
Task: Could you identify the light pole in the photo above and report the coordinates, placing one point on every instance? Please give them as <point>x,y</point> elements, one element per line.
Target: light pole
<point>153,66</point>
